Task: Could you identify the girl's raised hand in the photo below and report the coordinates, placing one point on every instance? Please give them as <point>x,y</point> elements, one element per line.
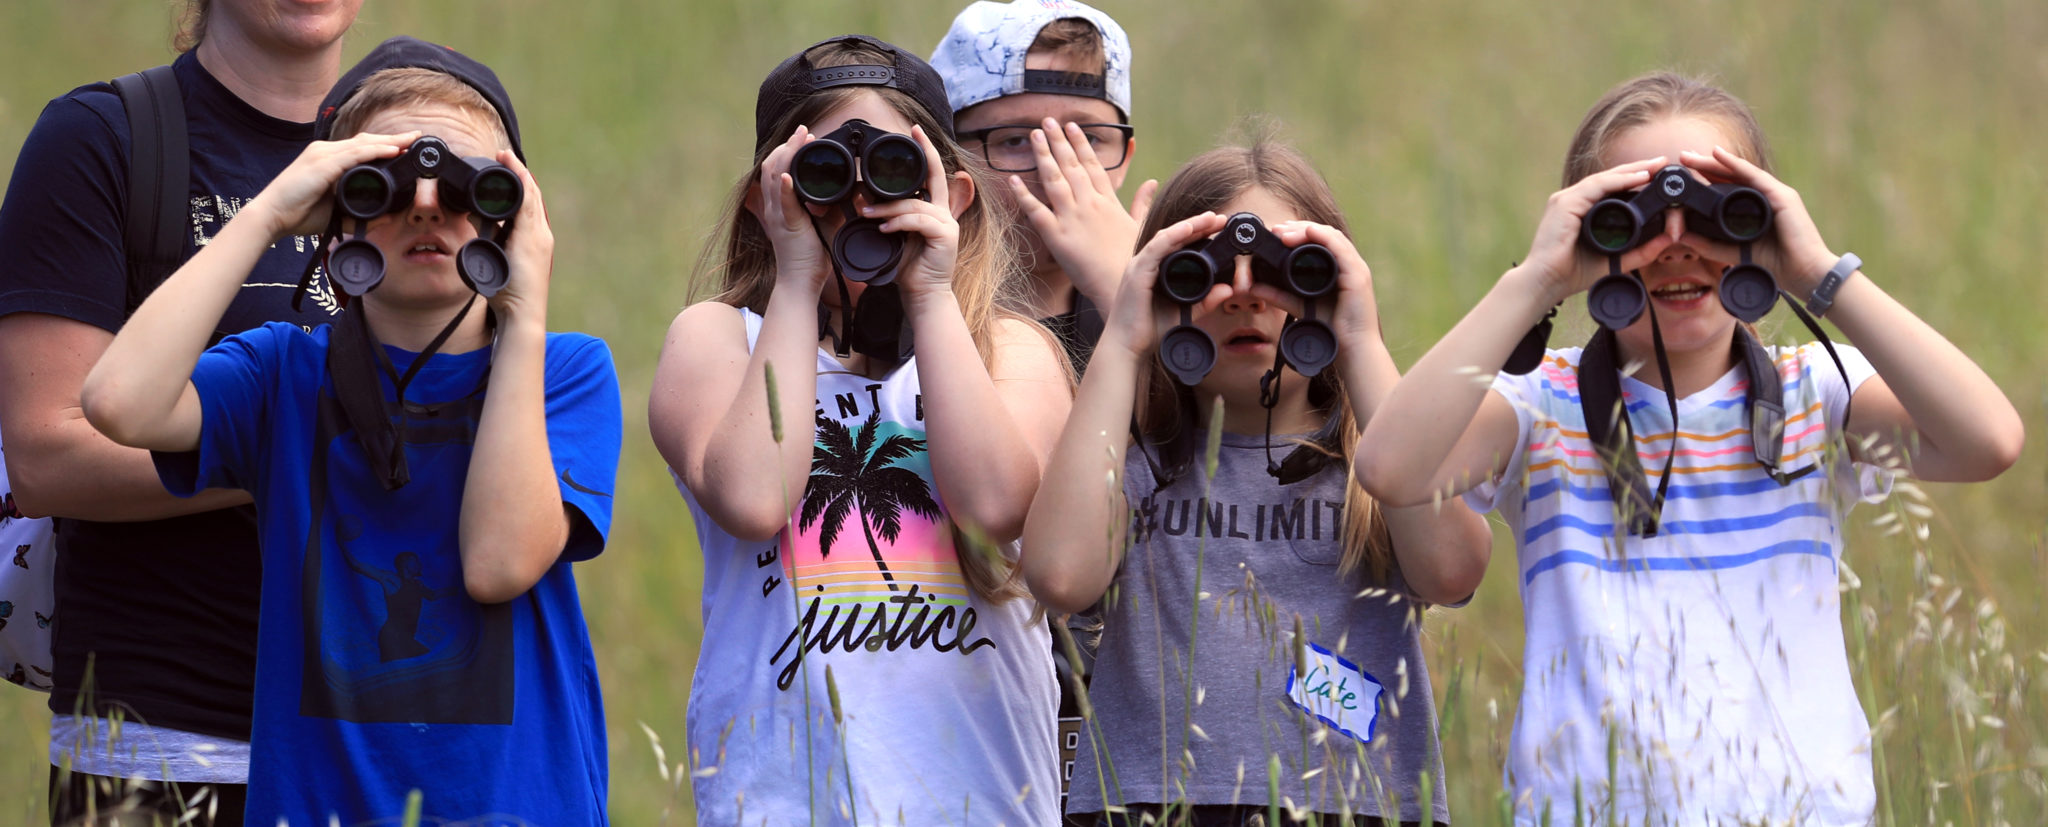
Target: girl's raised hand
<point>1131,319</point>
<point>928,260</point>
<point>801,261</point>
<point>530,250</point>
<point>1356,313</point>
<point>1797,256</point>
<point>300,199</point>
<point>1555,255</point>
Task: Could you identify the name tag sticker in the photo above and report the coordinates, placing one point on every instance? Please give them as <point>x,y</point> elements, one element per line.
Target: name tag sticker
<point>1336,692</point>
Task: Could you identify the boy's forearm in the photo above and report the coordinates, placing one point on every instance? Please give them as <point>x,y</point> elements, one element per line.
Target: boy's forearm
<point>132,391</point>
<point>513,523</point>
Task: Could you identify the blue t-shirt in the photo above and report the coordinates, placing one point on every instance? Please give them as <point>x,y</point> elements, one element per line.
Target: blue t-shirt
<point>169,644</point>
<point>376,673</point>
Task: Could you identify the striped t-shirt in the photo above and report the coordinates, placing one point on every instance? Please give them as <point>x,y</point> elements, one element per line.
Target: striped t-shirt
<point>1713,652</point>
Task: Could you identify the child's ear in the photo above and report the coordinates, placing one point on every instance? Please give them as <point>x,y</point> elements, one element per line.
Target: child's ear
<point>753,200</point>
<point>960,192</point>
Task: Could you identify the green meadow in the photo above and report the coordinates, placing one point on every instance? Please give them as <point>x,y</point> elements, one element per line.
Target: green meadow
<point>1913,131</point>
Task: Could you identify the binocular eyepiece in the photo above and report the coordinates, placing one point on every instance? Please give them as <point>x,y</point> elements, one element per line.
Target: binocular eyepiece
<point>1308,271</point>
<point>1724,212</point>
<point>476,185</point>
<point>860,157</point>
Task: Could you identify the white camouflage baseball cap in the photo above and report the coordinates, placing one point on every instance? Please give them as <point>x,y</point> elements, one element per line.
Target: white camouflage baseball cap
<point>982,55</point>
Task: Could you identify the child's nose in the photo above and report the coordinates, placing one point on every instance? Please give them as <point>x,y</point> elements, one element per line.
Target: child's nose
<point>426,201</point>
<point>1241,299</point>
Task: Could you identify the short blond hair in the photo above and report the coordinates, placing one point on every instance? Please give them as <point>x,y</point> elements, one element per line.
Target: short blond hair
<point>410,87</point>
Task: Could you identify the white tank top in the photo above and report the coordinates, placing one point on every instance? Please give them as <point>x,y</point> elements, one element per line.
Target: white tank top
<point>949,702</point>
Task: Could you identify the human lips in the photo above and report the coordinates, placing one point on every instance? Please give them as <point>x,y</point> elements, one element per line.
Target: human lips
<point>1245,340</point>
<point>1682,294</point>
<point>427,249</point>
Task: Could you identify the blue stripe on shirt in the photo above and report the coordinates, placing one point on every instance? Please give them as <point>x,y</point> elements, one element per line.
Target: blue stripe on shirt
<point>1678,492</point>
<point>1635,564</point>
<point>1720,526</point>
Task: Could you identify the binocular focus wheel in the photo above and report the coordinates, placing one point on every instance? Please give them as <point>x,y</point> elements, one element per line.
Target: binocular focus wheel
<point>355,267</point>
<point>1188,353</point>
<point>483,267</point>
<point>1616,301</point>
<point>866,254</point>
<point>1309,346</point>
<point>1748,292</point>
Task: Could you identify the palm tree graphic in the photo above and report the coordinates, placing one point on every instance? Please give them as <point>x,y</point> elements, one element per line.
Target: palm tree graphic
<point>849,471</point>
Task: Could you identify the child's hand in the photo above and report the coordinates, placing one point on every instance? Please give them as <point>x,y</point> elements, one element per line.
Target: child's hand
<point>1796,255</point>
<point>1356,318</point>
<point>1081,220</point>
<point>928,258</point>
<point>531,253</point>
<point>299,200</point>
<point>801,262</point>
<point>1555,255</point>
<point>1131,318</point>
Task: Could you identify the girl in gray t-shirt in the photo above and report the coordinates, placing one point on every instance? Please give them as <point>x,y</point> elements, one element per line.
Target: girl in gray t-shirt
<point>1261,617</point>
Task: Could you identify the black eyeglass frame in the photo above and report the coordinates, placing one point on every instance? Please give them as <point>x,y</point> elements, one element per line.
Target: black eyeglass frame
<point>980,136</point>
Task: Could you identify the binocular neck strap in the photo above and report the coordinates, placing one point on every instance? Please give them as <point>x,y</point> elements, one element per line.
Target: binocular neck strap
<point>1848,397</point>
<point>353,358</point>
<point>1613,437</point>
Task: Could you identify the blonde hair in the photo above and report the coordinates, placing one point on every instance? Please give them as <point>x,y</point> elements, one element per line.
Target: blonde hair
<point>191,25</point>
<point>408,87</point>
<point>984,270</point>
<point>1208,182</point>
<point>1653,97</point>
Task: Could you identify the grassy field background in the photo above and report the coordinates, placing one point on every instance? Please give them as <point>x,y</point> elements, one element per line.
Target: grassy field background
<point>1914,131</point>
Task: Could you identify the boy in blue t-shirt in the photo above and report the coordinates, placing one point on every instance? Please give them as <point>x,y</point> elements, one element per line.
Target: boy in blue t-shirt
<point>424,471</point>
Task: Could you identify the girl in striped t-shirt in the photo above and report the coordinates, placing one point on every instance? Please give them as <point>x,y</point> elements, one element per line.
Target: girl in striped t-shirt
<point>1707,651</point>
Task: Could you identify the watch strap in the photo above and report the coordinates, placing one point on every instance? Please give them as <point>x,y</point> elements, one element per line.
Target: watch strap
<point>1823,297</point>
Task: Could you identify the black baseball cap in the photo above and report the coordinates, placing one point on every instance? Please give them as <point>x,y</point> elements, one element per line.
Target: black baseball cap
<point>796,79</point>
<point>404,52</point>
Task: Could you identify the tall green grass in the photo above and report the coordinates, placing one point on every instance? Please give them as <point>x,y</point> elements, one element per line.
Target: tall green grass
<point>1912,130</point>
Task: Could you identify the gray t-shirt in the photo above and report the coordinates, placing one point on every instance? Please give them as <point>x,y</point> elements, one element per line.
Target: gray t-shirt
<point>1267,553</point>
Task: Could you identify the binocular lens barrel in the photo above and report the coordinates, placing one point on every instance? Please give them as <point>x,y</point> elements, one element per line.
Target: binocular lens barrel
<point>365,192</point>
<point>1745,216</point>
<point>823,172</point>
<point>1186,277</point>
<point>1311,271</point>
<point>496,194</point>
<point>895,166</point>
<point>1611,226</point>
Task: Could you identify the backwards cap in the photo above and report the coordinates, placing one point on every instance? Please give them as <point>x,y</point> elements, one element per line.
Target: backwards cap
<point>982,56</point>
<point>796,79</point>
<point>403,52</point>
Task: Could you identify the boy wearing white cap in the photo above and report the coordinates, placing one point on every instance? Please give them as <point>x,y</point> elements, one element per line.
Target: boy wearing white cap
<point>1041,92</point>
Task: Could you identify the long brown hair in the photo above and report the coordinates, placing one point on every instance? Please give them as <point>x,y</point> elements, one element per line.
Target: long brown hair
<point>1208,182</point>
<point>986,266</point>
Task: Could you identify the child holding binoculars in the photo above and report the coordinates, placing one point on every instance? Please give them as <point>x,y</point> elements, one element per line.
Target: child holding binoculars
<point>862,660</point>
<point>1269,615</point>
<point>1695,632</point>
<point>420,627</point>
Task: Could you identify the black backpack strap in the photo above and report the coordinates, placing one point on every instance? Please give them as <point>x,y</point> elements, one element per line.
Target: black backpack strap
<point>159,176</point>
<point>1608,428</point>
<point>1766,400</point>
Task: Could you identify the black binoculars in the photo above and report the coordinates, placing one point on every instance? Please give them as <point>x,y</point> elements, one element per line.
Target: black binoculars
<point>855,158</point>
<point>1724,212</point>
<point>475,185</point>
<point>1308,271</point>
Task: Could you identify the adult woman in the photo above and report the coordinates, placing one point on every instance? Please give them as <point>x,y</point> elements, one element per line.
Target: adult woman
<point>146,634</point>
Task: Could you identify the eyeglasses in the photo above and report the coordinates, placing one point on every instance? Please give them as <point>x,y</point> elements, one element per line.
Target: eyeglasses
<point>1007,148</point>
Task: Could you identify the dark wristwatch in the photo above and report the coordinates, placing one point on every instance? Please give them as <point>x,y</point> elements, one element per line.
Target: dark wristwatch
<point>1823,297</point>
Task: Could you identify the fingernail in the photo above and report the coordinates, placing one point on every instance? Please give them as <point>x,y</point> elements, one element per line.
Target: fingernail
<point>867,211</point>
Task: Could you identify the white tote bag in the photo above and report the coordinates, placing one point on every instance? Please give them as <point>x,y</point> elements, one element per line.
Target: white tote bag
<point>28,600</point>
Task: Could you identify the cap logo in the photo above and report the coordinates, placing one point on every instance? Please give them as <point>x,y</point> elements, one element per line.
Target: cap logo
<point>1054,82</point>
